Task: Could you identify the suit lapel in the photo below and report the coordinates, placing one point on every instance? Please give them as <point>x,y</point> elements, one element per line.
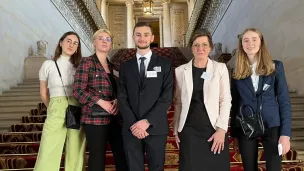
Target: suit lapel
<point>249,84</point>
<point>188,79</point>
<point>100,68</point>
<point>209,70</point>
<point>151,65</point>
<point>134,67</point>
<point>260,86</point>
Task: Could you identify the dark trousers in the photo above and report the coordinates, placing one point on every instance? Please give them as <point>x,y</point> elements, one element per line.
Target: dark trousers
<point>97,138</point>
<point>153,145</point>
<point>249,151</point>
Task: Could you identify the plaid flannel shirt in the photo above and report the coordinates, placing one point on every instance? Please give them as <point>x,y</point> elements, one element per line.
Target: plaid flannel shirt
<point>91,83</point>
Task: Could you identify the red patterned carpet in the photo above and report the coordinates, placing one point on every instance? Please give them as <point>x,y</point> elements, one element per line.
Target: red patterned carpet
<point>19,147</point>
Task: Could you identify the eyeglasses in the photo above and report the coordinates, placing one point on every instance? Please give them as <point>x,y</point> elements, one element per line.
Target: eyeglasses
<point>204,45</point>
<point>105,39</point>
<point>71,42</point>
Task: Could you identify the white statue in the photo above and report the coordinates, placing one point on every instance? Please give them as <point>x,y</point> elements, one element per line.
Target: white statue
<point>41,47</point>
<point>231,62</point>
<point>217,51</point>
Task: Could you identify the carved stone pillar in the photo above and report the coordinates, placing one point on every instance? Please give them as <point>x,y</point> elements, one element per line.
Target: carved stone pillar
<point>103,10</point>
<point>107,14</point>
<point>190,8</point>
<point>166,23</point>
<point>130,23</point>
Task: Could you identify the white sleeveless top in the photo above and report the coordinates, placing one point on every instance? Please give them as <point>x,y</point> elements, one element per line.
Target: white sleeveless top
<point>48,72</point>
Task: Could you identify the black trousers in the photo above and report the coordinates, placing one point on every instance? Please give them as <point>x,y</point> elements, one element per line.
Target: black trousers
<point>249,150</point>
<point>153,145</point>
<point>97,138</point>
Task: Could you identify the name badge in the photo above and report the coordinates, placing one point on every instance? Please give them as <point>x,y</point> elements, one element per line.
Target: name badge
<point>157,69</point>
<point>206,76</point>
<point>151,74</point>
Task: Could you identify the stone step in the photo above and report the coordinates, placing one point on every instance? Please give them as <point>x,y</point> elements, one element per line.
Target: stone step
<point>10,94</point>
<point>29,83</point>
<point>297,112</point>
<point>297,143</point>
<point>27,86</point>
<point>6,124</point>
<point>297,121</point>
<point>24,90</point>
<point>297,131</point>
<point>20,109</point>
<point>301,154</point>
<point>298,106</point>
<point>20,98</point>
<point>17,102</point>
<point>31,80</point>
<point>298,99</point>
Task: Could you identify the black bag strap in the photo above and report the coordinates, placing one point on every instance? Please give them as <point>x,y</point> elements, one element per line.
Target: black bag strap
<point>62,82</point>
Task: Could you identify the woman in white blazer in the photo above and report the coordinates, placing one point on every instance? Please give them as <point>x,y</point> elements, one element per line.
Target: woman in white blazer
<point>202,108</point>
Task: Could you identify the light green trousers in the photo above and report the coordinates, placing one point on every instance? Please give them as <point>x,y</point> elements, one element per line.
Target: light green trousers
<point>55,135</point>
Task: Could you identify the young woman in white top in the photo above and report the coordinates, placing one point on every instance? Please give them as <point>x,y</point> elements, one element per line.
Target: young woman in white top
<point>55,134</point>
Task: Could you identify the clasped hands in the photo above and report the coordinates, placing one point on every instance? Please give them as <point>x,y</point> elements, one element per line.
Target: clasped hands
<point>139,129</point>
<point>109,106</point>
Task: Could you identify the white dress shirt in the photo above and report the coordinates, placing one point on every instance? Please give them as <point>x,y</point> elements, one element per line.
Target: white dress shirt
<point>146,61</point>
<point>254,77</point>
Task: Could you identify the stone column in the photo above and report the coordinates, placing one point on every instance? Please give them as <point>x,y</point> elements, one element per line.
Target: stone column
<point>166,23</point>
<point>103,10</point>
<point>130,22</point>
<point>190,8</point>
<point>107,14</point>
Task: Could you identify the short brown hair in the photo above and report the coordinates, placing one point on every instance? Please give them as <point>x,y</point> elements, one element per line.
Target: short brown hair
<point>143,24</point>
<point>265,65</point>
<point>200,33</point>
<point>76,57</point>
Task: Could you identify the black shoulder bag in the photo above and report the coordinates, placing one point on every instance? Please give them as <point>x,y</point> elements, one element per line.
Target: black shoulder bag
<point>73,113</point>
<point>252,125</point>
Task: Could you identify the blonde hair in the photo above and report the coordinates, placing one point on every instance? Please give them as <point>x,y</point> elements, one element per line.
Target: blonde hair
<point>265,65</point>
<point>102,31</point>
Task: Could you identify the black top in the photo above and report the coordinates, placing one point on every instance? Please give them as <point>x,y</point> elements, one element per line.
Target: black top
<point>197,115</point>
<point>114,86</point>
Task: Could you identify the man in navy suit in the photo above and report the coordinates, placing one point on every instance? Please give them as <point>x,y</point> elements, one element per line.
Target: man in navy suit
<point>145,95</point>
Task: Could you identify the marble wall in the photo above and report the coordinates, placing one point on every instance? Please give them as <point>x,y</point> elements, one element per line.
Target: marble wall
<point>118,25</point>
<point>22,24</point>
<point>280,21</point>
<point>179,23</point>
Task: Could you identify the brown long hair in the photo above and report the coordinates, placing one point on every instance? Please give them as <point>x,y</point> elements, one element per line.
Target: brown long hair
<point>76,57</point>
<point>265,65</point>
<point>201,33</point>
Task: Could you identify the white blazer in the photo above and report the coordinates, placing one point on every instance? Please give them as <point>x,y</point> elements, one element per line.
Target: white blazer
<point>217,96</point>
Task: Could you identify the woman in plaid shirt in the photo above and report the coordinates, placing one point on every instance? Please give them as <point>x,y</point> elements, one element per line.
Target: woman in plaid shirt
<point>95,88</point>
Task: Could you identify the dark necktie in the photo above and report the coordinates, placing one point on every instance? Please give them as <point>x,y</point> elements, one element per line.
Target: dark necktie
<point>142,68</point>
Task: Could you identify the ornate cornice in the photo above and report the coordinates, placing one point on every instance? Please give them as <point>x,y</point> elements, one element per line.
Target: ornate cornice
<point>215,14</point>
<point>207,14</point>
<point>83,16</point>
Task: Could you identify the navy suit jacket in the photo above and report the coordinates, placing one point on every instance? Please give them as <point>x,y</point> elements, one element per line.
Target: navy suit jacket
<point>272,92</point>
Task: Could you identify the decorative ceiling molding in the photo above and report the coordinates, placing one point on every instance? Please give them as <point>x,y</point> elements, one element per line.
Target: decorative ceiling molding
<point>207,14</point>
<point>83,16</point>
